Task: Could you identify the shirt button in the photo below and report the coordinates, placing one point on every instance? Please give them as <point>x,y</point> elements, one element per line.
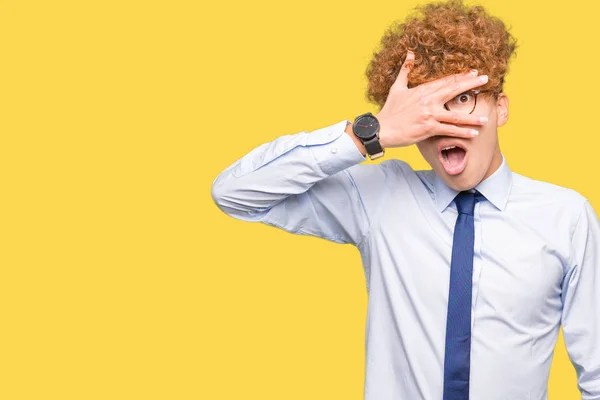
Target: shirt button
<point>334,150</point>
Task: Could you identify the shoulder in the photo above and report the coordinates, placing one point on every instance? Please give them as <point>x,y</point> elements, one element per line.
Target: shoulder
<point>526,186</point>
<point>547,197</point>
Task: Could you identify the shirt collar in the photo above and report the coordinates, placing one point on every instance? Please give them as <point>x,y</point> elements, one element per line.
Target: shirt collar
<point>495,188</point>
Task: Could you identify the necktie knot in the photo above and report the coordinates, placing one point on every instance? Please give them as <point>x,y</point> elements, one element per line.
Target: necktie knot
<point>465,202</point>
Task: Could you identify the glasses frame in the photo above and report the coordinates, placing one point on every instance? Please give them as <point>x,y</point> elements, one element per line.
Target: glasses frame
<point>475,93</point>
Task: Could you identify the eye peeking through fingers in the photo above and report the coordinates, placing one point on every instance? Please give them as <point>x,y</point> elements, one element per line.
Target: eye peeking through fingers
<point>463,103</point>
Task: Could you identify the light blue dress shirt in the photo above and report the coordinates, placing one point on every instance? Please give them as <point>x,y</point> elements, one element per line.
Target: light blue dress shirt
<point>536,263</point>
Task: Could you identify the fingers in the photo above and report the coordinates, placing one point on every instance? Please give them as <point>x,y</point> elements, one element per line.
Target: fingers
<point>456,118</point>
<point>402,78</point>
<point>443,129</point>
<point>447,93</point>
<point>453,79</point>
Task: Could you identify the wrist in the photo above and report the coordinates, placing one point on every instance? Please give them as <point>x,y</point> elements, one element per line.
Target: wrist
<point>383,140</point>
<point>381,134</point>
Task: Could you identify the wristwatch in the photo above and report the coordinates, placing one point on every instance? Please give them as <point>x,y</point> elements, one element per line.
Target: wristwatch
<point>366,128</point>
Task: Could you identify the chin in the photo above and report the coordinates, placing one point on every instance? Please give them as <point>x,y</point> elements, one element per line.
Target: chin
<point>465,180</point>
<point>460,185</point>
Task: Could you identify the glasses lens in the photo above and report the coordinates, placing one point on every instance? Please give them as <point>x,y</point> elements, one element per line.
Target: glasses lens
<point>463,103</point>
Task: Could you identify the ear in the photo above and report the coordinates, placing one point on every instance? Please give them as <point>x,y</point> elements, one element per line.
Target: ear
<point>502,109</point>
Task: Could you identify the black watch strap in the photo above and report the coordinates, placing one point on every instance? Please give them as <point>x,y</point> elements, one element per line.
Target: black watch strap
<point>373,147</point>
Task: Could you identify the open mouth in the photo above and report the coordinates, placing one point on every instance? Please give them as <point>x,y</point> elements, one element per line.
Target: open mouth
<point>453,159</point>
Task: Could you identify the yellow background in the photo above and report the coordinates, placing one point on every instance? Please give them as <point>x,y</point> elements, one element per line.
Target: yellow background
<point>120,279</point>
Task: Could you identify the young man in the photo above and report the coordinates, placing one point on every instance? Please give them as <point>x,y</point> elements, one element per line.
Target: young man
<point>470,268</point>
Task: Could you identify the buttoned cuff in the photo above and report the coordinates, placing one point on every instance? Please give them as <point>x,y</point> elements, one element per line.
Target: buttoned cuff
<point>333,149</point>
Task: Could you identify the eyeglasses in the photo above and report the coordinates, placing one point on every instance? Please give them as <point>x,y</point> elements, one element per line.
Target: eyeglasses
<point>464,103</point>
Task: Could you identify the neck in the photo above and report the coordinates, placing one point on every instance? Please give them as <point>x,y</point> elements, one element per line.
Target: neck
<point>495,164</point>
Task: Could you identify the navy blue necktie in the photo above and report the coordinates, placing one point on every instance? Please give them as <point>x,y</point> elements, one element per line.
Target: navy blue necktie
<point>458,326</point>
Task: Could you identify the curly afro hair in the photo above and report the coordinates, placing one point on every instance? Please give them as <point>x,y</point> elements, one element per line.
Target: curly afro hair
<point>446,38</point>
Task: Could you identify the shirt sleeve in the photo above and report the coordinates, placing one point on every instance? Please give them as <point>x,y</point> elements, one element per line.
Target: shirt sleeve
<point>301,183</point>
<point>581,304</point>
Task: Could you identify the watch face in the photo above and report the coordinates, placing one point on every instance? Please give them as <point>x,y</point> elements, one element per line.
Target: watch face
<point>366,127</point>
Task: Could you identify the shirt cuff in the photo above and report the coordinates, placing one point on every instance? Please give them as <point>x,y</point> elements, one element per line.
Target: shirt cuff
<point>333,148</point>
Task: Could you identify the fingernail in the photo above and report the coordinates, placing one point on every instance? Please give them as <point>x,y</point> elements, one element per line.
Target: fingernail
<point>483,120</point>
<point>474,132</point>
<point>483,78</point>
<point>473,72</point>
<point>410,55</point>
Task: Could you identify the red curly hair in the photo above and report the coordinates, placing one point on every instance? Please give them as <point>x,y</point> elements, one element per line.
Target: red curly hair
<point>446,38</point>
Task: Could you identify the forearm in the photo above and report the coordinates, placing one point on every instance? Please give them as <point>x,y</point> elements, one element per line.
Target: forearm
<point>356,140</point>
<point>288,165</point>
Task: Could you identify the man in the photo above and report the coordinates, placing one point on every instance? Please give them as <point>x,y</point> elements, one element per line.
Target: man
<point>471,268</point>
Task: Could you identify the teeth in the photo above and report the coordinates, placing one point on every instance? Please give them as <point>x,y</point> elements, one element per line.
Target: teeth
<point>444,154</point>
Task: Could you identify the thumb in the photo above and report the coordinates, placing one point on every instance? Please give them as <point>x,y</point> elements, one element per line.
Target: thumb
<point>402,78</point>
